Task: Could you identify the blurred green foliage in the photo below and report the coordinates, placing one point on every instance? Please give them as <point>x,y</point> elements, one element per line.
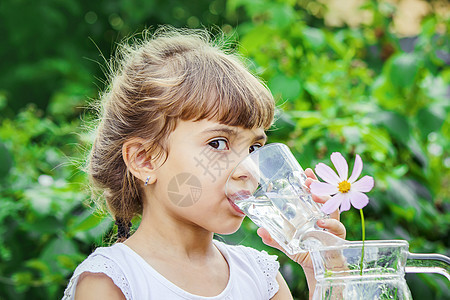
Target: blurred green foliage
<point>353,90</point>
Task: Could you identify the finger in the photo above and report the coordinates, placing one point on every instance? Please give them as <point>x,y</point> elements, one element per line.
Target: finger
<point>308,181</point>
<point>310,173</point>
<point>333,226</point>
<point>267,239</point>
<point>336,215</point>
<point>320,199</point>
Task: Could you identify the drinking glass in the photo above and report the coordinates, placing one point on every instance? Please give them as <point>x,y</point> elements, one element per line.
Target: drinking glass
<point>269,187</point>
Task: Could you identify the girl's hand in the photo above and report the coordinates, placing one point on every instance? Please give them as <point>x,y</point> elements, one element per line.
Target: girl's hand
<point>332,225</point>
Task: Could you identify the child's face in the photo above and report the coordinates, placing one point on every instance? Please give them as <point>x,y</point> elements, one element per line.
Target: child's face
<point>191,182</point>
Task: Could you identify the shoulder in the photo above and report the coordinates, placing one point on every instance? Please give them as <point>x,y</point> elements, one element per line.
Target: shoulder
<point>283,292</point>
<point>91,285</point>
<point>102,268</point>
<point>276,285</point>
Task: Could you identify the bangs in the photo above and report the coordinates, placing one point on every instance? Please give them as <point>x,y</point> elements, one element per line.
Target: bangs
<point>221,89</point>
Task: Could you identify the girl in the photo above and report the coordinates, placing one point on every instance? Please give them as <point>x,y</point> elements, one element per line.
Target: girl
<point>179,114</point>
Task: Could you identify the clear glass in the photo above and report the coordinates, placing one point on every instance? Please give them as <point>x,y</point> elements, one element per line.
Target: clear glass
<point>268,186</point>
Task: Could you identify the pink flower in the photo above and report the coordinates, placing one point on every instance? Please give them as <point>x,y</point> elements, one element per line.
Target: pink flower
<point>345,191</point>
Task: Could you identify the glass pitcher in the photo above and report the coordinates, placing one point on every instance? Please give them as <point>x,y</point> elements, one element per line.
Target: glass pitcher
<point>338,271</point>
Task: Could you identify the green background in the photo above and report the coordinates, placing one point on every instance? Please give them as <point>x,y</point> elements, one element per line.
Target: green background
<point>361,89</point>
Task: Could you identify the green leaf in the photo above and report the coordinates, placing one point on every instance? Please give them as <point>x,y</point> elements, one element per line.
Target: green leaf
<point>400,170</point>
<point>352,134</point>
<point>403,70</point>
<point>86,222</point>
<point>333,40</point>
<point>417,150</point>
<point>3,100</point>
<point>5,161</point>
<point>58,246</point>
<point>44,225</point>
<point>70,262</point>
<point>430,119</point>
<point>288,87</point>
<point>40,200</point>
<point>307,119</point>
<point>314,37</point>
<point>253,7</point>
<point>38,265</point>
<point>22,280</point>
<point>402,191</point>
<point>396,124</point>
<point>384,93</point>
<point>282,14</point>
<point>378,142</point>
<point>314,88</point>
<point>256,41</point>
<point>282,127</point>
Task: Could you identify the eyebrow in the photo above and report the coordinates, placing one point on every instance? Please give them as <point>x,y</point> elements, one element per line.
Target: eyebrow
<point>233,132</point>
<point>260,137</point>
<point>226,130</point>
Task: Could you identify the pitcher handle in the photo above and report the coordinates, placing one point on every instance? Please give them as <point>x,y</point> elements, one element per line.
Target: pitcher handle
<point>428,263</point>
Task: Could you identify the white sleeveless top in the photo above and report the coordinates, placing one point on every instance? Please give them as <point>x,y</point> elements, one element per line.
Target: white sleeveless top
<point>252,274</point>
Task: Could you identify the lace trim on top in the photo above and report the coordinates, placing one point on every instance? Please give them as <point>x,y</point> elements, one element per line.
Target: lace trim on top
<point>99,264</point>
<point>269,265</point>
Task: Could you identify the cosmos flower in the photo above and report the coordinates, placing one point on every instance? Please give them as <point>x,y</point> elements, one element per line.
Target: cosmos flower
<point>345,191</point>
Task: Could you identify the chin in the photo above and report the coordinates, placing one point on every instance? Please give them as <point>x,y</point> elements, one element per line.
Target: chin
<point>230,229</point>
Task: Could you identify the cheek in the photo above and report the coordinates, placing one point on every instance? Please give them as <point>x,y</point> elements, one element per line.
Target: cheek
<point>184,189</point>
<point>192,181</point>
<point>212,166</point>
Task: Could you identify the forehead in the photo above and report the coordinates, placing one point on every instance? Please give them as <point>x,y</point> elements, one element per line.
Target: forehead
<point>206,128</point>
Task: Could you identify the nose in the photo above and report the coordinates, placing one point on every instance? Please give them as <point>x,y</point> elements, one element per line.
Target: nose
<point>243,179</point>
<point>241,172</point>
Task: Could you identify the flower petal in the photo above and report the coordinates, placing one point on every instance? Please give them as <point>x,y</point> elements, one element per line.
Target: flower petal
<point>364,185</point>
<point>332,204</point>
<point>327,174</point>
<point>345,205</point>
<point>357,168</point>
<point>358,199</point>
<point>340,164</point>
<point>323,188</point>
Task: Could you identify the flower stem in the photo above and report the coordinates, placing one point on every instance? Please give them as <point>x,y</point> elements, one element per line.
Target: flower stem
<point>363,227</point>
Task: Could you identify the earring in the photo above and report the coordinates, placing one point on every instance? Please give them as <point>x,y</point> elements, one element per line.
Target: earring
<point>146,180</point>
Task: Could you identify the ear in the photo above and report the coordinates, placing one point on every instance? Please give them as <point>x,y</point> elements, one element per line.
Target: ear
<point>138,160</point>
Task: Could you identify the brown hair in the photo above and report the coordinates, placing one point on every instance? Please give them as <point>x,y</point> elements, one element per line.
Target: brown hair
<point>171,75</point>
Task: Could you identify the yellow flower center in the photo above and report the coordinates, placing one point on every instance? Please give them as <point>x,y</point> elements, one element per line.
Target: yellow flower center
<point>344,186</point>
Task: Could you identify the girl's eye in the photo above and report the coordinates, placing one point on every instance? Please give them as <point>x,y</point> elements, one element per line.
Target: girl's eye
<point>219,144</point>
<point>254,147</point>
